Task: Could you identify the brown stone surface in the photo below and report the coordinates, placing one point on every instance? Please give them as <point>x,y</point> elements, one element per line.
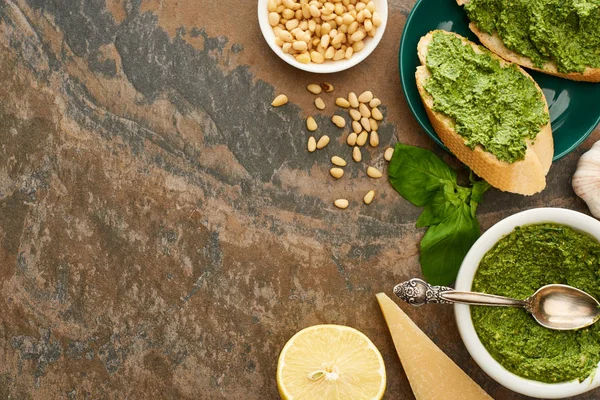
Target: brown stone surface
<point>163,230</point>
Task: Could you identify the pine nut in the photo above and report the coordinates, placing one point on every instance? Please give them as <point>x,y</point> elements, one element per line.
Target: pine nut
<point>374,124</point>
<point>358,36</point>
<point>314,88</point>
<point>327,87</point>
<point>342,102</point>
<point>311,124</point>
<point>374,173</point>
<point>356,154</point>
<point>353,100</point>
<point>323,141</point>
<point>364,110</point>
<point>355,114</point>
<point>329,53</point>
<point>316,57</point>
<point>366,124</point>
<point>374,139</point>
<point>377,114</point>
<point>368,25</point>
<point>358,46</point>
<point>349,52</point>
<point>339,54</point>
<point>341,203</point>
<point>374,103</point>
<point>272,5</point>
<point>339,161</point>
<point>376,19</point>
<point>273,18</point>
<point>389,153</point>
<point>365,97</point>
<point>299,45</point>
<point>304,58</point>
<point>279,100</point>
<point>312,144</point>
<point>369,197</point>
<point>314,11</point>
<point>362,138</point>
<point>337,173</point>
<point>356,127</point>
<point>351,140</point>
<point>339,121</point>
<point>319,103</point>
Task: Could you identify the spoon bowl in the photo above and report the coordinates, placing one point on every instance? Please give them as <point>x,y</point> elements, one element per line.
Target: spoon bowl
<point>563,307</point>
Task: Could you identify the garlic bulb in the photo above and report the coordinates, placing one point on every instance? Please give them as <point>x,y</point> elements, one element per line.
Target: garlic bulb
<point>586,180</point>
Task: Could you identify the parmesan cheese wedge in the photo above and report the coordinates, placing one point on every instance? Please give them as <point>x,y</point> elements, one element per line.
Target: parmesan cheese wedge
<point>431,373</point>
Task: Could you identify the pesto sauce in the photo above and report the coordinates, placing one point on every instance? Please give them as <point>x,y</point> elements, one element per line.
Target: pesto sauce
<point>496,107</point>
<point>565,32</point>
<point>519,264</point>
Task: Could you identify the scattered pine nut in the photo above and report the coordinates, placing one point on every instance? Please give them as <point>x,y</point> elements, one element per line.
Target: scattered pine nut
<point>356,154</point>
<point>339,161</point>
<point>314,88</point>
<point>355,114</point>
<point>337,173</point>
<point>280,100</point>
<point>342,102</point>
<point>369,197</point>
<point>319,103</point>
<point>374,172</point>
<point>362,138</point>
<point>323,141</point>
<point>374,124</point>
<point>364,110</point>
<point>364,122</point>
<point>311,124</point>
<point>377,114</point>
<point>353,99</point>
<point>327,87</point>
<point>365,97</point>
<point>389,153</point>
<point>374,139</point>
<point>338,121</point>
<point>374,103</point>
<point>351,140</point>
<point>312,144</point>
<point>341,203</point>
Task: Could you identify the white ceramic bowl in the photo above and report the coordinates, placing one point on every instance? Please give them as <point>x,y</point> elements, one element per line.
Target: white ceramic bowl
<point>328,66</point>
<point>464,281</point>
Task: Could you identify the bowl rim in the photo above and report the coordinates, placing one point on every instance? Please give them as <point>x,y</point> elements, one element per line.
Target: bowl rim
<point>426,124</point>
<point>490,366</point>
<point>328,66</point>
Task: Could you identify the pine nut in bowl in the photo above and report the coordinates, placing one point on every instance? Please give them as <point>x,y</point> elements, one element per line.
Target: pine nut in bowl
<point>322,36</point>
<point>513,258</point>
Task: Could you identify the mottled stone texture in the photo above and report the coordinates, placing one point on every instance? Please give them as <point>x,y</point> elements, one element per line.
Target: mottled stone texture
<point>163,231</point>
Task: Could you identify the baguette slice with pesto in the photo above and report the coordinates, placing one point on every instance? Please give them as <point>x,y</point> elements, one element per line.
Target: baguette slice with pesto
<point>496,45</point>
<point>490,113</point>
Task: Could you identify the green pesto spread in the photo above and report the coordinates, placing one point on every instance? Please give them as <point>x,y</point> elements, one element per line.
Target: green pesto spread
<point>564,32</point>
<point>493,106</point>
<point>519,264</point>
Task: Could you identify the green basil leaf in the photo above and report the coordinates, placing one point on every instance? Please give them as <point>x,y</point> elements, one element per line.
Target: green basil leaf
<point>443,203</point>
<point>478,189</point>
<point>417,173</point>
<point>445,245</point>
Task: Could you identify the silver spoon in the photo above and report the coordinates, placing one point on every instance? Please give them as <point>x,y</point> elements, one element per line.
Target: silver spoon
<point>559,307</point>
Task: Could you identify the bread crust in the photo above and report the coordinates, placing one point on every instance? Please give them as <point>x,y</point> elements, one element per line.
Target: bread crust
<point>526,177</point>
<point>494,43</point>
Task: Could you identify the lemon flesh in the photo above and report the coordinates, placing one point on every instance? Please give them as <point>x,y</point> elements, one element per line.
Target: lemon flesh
<point>330,362</point>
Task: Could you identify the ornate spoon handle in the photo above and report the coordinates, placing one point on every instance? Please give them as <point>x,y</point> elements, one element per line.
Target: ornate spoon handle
<point>418,292</point>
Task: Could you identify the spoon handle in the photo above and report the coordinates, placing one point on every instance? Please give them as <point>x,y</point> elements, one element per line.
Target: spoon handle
<point>418,292</point>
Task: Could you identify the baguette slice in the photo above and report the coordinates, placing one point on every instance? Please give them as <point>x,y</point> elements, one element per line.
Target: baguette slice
<point>495,44</point>
<point>527,176</point>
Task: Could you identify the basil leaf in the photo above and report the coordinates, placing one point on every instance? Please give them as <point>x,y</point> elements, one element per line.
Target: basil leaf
<point>443,203</point>
<point>417,173</point>
<point>477,191</point>
<point>445,245</point>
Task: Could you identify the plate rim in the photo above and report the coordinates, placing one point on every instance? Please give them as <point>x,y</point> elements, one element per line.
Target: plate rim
<point>425,126</point>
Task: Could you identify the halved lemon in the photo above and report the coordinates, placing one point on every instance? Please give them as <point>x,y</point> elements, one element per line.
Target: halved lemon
<point>330,362</point>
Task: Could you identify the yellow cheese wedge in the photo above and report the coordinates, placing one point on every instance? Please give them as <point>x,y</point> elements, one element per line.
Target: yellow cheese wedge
<point>431,373</point>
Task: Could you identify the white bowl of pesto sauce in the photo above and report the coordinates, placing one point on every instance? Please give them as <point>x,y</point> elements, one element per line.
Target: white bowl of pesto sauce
<point>466,318</point>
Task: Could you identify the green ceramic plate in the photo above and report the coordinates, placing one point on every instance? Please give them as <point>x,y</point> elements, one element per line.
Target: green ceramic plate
<point>574,106</point>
